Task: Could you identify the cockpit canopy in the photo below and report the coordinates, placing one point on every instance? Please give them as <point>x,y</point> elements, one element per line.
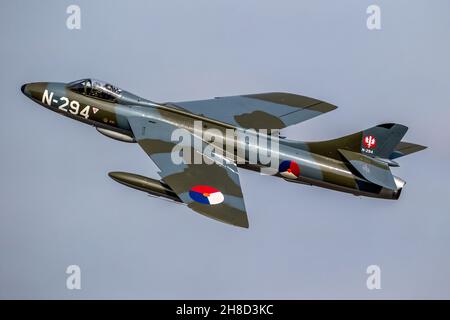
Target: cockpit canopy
<point>96,89</point>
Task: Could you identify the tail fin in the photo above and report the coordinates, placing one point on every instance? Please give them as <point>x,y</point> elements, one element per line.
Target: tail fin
<point>370,152</point>
<point>379,141</point>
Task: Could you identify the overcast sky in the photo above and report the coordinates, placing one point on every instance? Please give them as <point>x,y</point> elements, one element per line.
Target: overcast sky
<point>58,207</point>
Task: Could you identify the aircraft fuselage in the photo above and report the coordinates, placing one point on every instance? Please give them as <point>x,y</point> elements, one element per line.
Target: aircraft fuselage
<point>110,112</point>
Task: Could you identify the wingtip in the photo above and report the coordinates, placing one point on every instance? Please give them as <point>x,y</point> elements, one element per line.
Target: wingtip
<point>245,226</point>
<point>324,107</point>
<point>242,222</point>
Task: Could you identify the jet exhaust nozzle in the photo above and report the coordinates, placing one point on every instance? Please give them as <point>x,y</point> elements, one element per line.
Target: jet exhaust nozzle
<point>399,183</point>
<point>152,186</point>
<point>392,194</point>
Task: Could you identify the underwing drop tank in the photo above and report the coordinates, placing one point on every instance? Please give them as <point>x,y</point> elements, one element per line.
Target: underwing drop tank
<point>152,186</point>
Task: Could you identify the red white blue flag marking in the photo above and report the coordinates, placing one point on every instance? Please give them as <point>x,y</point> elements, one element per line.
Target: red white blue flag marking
<point>289,169</point>
<point>206,195</point>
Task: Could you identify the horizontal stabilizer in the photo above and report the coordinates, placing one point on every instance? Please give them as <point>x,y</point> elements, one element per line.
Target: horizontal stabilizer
<point>405,148</point>
<point>372,170</point>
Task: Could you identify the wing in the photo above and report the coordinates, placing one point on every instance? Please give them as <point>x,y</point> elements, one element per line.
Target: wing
<point>274,110</point>
<point>213,189</point>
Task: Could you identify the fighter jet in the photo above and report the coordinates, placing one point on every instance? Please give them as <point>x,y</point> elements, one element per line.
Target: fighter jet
<point>358,163</point>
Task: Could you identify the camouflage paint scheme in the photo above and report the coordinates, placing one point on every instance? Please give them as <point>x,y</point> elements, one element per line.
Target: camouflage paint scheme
<point>358,163</point>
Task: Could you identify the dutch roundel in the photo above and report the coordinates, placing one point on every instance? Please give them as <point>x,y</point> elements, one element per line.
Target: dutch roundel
<point>289,169</point>
<point>206,195</point>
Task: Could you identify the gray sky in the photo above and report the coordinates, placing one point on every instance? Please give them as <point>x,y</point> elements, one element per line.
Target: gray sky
<point>58,206</point>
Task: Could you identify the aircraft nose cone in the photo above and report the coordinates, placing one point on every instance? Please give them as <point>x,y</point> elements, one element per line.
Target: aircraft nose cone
<point>34,90</point>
